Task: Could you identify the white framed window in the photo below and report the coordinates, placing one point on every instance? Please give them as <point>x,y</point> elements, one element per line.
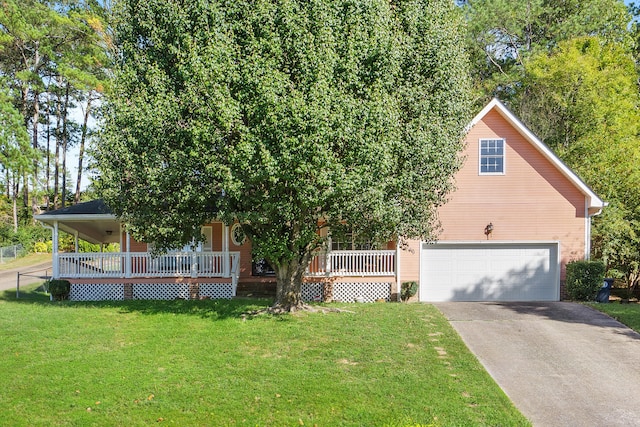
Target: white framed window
<point>352,242</point>
<point>237,235</point>
<point>207,245</point>
<point>492,156</point>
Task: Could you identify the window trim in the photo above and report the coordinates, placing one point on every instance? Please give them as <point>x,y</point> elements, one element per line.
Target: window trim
<point>504,156</point>
<point>235,235</point>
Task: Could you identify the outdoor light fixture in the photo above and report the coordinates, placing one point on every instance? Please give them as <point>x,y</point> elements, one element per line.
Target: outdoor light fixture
<point>109,232</point>
<point>488,230</point>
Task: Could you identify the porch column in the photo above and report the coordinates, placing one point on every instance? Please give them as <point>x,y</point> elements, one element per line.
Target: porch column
<point>225,251</point>
<point>127,267</point>
<point>54,249</point>
<point>194,264</point>
<point>327,258</point>
<point>397,268</point>
<point>75,241</point>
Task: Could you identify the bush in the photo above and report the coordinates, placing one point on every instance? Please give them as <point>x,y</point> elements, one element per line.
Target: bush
<point>40,247</point>
<point>584,279</point>
<point>408,289</point>
<point>59,289</point>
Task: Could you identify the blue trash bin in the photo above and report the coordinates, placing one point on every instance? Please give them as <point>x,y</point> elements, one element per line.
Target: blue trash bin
<point>605,291</point>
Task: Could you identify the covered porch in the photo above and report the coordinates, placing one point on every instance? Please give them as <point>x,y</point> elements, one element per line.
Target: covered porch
<point>208,270</point>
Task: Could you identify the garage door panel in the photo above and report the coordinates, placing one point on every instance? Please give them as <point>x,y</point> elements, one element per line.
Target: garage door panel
<point>489,272</point>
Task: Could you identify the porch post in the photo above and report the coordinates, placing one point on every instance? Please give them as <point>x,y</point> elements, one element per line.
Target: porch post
<point>194,264</point>
<point>127,271</point>
<point>397,269</point>
<point>54,249</point>
<point>75,241</point>
<point>225,251</point>
<point>327,259</point>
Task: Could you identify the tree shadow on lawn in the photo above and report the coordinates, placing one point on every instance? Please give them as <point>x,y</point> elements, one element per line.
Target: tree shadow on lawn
<point>214,309</point>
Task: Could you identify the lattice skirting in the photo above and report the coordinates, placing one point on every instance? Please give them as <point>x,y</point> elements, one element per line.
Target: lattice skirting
<point>312,291</point>
<point>217,290</point>
<point>367,292</point>
<point>161,291</point>
<point>96,292</point>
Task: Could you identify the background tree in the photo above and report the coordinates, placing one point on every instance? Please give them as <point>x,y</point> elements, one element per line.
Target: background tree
<point>287,116</point>
<point>503,34</point>
<point>45,47</point>
<point>583,100</point>
<point>567,69</point>
<point>16,155</point>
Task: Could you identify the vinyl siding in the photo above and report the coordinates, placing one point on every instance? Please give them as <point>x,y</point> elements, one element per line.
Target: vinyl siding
<point>531,201</point>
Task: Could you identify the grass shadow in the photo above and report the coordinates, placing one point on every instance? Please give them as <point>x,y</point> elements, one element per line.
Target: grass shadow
<point>214,309</point>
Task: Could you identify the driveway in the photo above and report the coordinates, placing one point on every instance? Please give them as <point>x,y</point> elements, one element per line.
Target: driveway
<point>562,364</point>
<point>28,275</point>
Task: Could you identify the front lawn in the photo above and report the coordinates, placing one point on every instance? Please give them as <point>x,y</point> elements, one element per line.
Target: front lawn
<point>205,363</point>
<point>629,314</point>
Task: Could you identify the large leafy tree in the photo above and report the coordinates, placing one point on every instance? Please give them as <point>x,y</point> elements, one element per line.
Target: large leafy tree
<point>287,116</point>
<point>504,34</point>
<point>583,100</point>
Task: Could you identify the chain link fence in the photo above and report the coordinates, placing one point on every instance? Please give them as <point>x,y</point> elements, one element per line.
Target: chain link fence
<point>9,253</point>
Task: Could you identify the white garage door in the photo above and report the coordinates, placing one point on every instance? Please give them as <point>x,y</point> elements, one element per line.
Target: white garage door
<point>489,272</point>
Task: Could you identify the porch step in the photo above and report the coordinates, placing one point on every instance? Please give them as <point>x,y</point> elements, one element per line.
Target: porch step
<point>256,290</point>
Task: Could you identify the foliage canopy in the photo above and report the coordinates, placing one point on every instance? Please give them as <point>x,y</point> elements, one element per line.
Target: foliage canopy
<point>288,116</point>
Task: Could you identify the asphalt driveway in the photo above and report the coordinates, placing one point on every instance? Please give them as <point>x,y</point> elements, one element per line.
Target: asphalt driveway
<point>562,364</point>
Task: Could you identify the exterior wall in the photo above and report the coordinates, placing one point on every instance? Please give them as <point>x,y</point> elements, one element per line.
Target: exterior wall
<point>531,201</point>
<point>135,245</point>
<point>410,261</point>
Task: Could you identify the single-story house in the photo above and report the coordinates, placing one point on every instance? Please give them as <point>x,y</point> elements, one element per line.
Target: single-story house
<point>517,216</point>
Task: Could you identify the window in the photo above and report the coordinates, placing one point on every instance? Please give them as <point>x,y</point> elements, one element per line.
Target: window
<point>352,243</point>
<point>237,235</point>
<point>491,156</point>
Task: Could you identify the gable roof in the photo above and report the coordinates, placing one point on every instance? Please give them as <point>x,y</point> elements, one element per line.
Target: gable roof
<point>94,207</point>
<point>594,203</point>
<point>92,221</point>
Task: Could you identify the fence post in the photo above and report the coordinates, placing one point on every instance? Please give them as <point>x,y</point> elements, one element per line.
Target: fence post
<point>18,286</point>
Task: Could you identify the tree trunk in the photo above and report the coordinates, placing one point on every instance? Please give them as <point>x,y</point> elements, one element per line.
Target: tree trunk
<point>87,113</point>
<point>36,118</point>
<point>48,154</point>
<point>56,169</point>
<point>14,200</point>
<point>65,141</point>
<point>289,277</point>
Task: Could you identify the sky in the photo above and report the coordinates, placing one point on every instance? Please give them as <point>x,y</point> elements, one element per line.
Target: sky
<point>72,157</point>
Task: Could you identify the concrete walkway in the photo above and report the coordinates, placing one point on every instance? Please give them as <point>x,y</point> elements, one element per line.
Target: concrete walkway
<point>562,364</point>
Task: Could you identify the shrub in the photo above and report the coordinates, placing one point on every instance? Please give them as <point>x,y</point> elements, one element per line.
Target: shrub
<point>40,247</point>
<point>584,279</point>
<point>408,289</point>
<point>59,289</point>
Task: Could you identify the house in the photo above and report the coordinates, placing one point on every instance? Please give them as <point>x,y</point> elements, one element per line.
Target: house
<point>517,217</point>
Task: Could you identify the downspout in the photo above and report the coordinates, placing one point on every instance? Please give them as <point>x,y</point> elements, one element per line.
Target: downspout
<point>587,230</point>
<point>54,250</point>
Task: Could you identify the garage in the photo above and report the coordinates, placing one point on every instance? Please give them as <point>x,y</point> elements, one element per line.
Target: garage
<point>490,271</point>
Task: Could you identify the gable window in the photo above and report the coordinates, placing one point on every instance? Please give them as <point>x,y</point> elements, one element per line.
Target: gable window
<point>491,156</point>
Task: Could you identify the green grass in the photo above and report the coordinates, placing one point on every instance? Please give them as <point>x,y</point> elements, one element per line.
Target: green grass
<point>205,363</point>
<point>25,261</point>
<point>629,314</point>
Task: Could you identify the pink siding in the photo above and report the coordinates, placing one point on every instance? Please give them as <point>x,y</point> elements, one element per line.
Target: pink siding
<point>531,201</point>
<point>410,262</point>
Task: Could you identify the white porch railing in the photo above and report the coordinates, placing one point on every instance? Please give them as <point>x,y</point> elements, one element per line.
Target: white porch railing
<point>353,263</point>
<point>142,264</point>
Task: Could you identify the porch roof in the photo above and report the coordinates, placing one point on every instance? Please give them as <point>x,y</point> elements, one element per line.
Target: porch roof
<point>93,221</point>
